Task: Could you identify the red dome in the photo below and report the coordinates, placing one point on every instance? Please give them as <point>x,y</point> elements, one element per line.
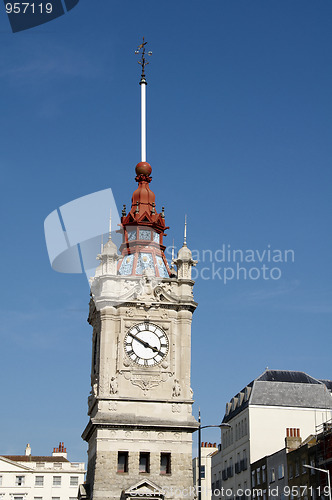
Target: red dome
<point>143,168</point>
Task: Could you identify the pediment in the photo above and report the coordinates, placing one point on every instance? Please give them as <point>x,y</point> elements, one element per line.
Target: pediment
<point>8,465</point>
<point>144,489</point>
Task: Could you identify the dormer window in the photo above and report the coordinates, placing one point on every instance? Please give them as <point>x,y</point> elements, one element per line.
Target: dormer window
<point>247,393</point>
<point>240,398</point>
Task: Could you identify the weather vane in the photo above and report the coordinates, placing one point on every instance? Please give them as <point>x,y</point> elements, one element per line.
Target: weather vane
<point>143,62</point>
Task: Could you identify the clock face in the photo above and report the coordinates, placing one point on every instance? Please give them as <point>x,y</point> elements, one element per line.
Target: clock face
<point>146,344</point>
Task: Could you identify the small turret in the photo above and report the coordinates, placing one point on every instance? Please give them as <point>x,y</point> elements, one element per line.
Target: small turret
<point>184,261</point>
<point>108,257</point>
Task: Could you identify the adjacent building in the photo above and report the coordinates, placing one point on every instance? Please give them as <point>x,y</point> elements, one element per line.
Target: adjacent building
<point>207,450</point>
<point>304,462</point>
<point>260,415</point>
<point>29,477</point>
<point>269,476</point>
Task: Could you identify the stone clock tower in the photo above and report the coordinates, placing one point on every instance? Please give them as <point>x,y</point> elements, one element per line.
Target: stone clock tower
<point>140,430</point>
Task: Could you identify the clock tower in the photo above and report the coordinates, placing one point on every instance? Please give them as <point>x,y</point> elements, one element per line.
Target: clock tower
<point>140,430</point>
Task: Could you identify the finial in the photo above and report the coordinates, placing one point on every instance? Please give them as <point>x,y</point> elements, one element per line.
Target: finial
<point>143,62</point>
<point>124,213</point>
<point>137,208</point>
<point>163,212</point>
<point>173,250</point>
<point>185,231</point>
<point>153,210</point>
<point>110,227</point>
<point>102,243</point>
<point>199,415</point>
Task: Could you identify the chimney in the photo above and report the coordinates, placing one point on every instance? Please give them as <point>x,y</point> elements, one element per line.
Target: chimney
<point>28,450</point>
<point>293,439</point>
<point>61,451</point>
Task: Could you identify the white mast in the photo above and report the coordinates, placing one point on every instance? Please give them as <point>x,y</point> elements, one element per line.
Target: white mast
<point>143,83</point>
<point>143,120</point>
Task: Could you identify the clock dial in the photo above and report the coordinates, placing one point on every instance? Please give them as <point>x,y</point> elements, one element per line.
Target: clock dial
<point>146,344</point>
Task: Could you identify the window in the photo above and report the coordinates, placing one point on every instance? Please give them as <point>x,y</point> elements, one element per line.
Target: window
<point>144,462</point>
<point>56,480</point>
<point>0,480</point>
<point>19,481</point>
<point>165,463</point>
<point>18,498</point>
<point>253,478</point>
<point>37,498</point>
<point>312,463</point>
<point>73,481</point>
<point>122,461</point>
<point>40,465</point>
<point>297,468</point>
<point>263,474</point>
<point>39,481</point>
<point>303,463</point>
<point>57,465</point>
<point>281,471</point>
<point>203,471</point>
<point>258,476</point>
<point>290,472</point>
<point>272,475</point>
<point>55,498</point>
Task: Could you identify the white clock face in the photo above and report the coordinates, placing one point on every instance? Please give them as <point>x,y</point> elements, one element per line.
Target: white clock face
<point>146,344</point>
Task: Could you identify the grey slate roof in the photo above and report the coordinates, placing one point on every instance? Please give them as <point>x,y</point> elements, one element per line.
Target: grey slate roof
<point>294,394</point>
<point>285,388</point>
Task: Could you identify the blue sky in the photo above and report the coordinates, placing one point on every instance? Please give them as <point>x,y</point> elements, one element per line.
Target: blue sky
<point>239,138</point>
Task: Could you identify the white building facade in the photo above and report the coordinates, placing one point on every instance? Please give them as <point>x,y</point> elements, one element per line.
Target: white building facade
<point>28,477</point>
<point>259,416</point>
<point>207,450</point>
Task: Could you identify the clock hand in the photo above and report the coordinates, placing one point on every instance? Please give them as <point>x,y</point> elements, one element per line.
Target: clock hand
<point>155,349</point>
<point>139,340</point>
